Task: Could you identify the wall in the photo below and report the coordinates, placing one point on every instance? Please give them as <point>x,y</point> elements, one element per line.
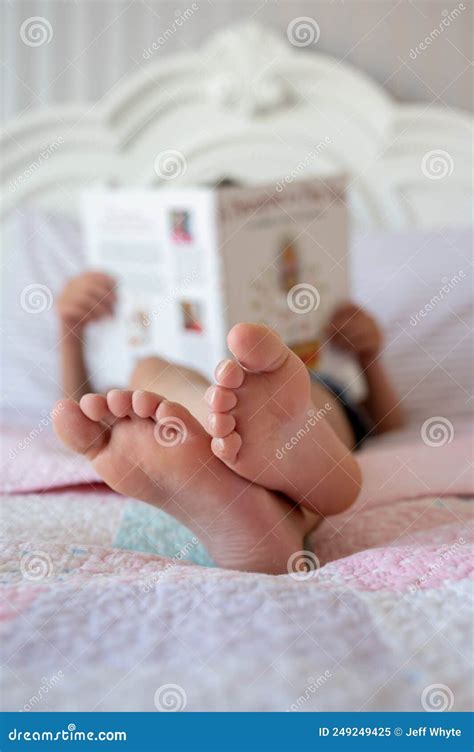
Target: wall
<point>95,43</point>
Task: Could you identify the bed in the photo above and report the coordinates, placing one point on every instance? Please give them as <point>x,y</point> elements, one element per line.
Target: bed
<point>105,606</point>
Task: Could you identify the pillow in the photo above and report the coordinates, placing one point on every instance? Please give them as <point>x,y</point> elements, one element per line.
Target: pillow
<point>40,252</point>
<point>419,285</point>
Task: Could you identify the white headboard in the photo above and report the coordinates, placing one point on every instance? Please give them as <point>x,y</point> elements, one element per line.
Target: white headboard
<point>249,106</point>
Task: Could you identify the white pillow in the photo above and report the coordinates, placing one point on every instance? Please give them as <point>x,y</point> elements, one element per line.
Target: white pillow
<point>398,276</point>
<point>40,252</point>
<point>419,285</point>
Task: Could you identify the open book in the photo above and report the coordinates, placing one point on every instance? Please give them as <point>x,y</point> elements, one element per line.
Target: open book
<point>192,262</point>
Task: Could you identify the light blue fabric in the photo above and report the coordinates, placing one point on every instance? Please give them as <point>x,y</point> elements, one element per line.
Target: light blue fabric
<point>149,530</point>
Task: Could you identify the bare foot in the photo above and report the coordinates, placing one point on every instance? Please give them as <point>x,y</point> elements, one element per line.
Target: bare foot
<point>151,449</point>
<point>267,429</point>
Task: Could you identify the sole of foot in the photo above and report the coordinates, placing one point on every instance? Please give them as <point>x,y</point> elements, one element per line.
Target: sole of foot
<point>266,428</point>
<point>145,447</point>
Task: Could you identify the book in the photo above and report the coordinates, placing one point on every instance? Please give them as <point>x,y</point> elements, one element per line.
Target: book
<point>192,262</point>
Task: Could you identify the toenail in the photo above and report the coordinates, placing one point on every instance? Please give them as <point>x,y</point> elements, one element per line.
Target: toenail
<point>218,444</point>
<point>211,421</point>
<point>223,367</point>
<point>209,395</point>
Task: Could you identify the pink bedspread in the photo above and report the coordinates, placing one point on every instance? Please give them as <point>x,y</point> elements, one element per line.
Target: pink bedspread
<point>382,624</point>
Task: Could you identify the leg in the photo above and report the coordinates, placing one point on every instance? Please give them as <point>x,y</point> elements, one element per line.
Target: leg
<point>323,399</point>
<point>180,384</point>
<point>154,450</point>
<point>267,429</point>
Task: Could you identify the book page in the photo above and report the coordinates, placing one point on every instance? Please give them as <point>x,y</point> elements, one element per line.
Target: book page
<point>158,245</point>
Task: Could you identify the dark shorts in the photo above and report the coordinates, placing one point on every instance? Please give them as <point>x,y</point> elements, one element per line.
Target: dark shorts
<point>355,415</point>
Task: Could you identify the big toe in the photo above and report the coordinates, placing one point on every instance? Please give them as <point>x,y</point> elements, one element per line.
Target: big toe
<point>76,430</point>
<point>257,348</point>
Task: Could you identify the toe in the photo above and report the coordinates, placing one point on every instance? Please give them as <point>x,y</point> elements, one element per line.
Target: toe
<point>145,403</point>
<point>120,402</point>
<point>220,399</point>
<point>257,348</point>
<point>77,431</point>
<point>94,407</point>
<point>220,424</point>
<point>229,374</point>
<point>227,449</point>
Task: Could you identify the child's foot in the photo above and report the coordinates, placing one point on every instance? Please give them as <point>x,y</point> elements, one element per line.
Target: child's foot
<point>266,428</point>
<point>146,447</point>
